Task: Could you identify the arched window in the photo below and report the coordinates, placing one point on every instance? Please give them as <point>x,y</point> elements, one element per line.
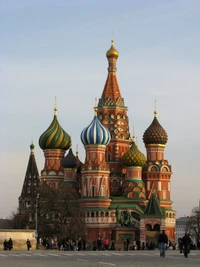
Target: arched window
<point>107,214</point>
<point>27,203</point>
<point>102,214</point>
<point>156,227</point>
<point>148,227</point>
<point>93,188</point>
<point>114,183</point>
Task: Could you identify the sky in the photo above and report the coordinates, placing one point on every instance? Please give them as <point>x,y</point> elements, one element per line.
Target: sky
<point>57,48</point>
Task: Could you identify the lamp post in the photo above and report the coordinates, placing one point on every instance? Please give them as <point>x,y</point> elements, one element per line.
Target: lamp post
<point>36,220</point>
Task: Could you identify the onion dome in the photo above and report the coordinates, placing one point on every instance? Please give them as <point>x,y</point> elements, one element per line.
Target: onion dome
<point>69,161</point>
<point>95,133</point>
<point>55,137</point>
<point>155,134</point>
<point>133,157</point>
<point>112,52</point>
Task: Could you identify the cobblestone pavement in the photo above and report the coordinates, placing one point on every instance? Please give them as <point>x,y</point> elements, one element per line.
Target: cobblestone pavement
<point>97,258</point>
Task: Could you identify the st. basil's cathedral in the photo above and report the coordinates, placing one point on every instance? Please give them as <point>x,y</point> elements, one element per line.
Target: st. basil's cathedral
<point>123,193</point>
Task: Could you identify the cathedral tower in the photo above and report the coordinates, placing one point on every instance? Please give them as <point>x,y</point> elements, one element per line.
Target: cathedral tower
<point>157,173</point>
<point>27,199</point>
<point>113,115</point>
<point>95,192</point>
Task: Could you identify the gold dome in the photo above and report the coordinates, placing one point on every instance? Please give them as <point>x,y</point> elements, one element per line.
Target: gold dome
<point>112,52</point>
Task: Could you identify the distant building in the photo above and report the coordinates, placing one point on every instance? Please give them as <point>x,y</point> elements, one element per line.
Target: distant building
<point>181,226</point>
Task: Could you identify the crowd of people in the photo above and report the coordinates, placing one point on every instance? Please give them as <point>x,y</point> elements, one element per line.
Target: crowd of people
<point>184,244</point>
<point>72,244</point>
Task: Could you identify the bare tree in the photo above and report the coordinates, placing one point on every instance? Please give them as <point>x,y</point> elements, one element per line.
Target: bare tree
<point>59,212</point>
<point>194,224</point>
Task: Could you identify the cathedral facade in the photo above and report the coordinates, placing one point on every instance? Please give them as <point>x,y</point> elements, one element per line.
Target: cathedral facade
<point>123,193</point>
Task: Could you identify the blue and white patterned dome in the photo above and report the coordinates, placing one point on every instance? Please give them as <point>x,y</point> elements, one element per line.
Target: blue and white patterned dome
<point>95,133</point>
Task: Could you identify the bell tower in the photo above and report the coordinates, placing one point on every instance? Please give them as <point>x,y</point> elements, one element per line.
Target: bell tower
<point>157,174</point>
<point>113,115</point>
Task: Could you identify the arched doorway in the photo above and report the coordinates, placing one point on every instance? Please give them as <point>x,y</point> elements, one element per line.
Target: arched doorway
<point>152,234</point>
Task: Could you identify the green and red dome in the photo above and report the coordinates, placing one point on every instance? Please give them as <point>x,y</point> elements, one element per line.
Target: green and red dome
<point>155,133</point>
<point>134,189</point>
<point>55,137</point>
<point>133,157</point>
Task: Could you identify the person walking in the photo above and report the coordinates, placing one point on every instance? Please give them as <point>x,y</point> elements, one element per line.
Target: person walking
<point>186,243</point>
<point>162,240</point>
<point>28,244</point>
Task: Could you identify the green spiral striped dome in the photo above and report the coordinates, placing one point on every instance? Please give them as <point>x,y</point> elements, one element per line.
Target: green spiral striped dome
<point>55,137</point>
<point>133,157</point>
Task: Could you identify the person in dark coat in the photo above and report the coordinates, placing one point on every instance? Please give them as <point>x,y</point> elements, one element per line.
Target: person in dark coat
<point>186,243</point>
<point>59,245</point>
<point>180,244</point>
<point>99,243</point>
<point>162,240</point>
<point>28,244</point>
<point>5,244</point>
<point>10,244</point>
<point>84,243</point>
<point>79,244</point>
<point>127,243</point>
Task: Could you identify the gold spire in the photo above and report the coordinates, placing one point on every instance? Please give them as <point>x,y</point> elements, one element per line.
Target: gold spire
<point>112,52</point>
<point>70,142</point>
<point>133,136</point>
<point>76,149</point>
<point>155,112</point>
<point>55,107</point>
<point>95,111</point>
<point>95,107</point>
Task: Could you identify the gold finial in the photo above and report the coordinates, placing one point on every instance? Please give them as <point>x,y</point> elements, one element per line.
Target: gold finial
<point>133,136</point>
<point>155,112</point>
<point>95,111</point>
<point>95,107</point>
<point>136,140</point>
<point>112,52</point>
<point>70,142</point>
<point>55,107</point>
